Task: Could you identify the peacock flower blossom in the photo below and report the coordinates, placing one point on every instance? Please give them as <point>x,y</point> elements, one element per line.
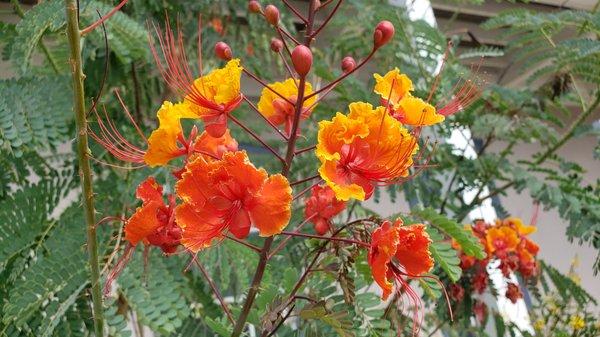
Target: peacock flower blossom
<point>280,111</point>
<point>153,223</point>
<point>408,244</point>
<point>215,147</point>
<point>164,142</point>
<point>501,240</point>
<point>363,149</point>
<point>212,96</point>
<point>229,196</point>
<point>321,206</point>
<point>215,95</point>
<point>395,91</point>
<point>517,225</point>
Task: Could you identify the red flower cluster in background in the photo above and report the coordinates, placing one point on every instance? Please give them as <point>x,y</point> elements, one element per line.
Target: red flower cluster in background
<point>505,241</point>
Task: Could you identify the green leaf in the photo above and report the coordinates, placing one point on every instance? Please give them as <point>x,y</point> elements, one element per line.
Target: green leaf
<point>468,242</point>
<point>34,113</point>
<point>444,255</point>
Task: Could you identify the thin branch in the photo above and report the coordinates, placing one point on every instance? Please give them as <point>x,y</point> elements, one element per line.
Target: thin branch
<point>305,150</point>
<point>287,238</point>
<point>215,290</point>
<point>301,193</point>
<point>249,245</point>
<point>255,136</point>
<point>265,118</point>
<point>106,17</point>
<point>326,21</point>
<point>328,238</point>
<point>294,10</point>
<point>305,180</point>
<point>254,77</point>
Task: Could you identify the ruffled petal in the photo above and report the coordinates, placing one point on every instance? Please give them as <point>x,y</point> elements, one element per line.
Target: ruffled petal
<point>393,86</point>
<point>149,190</point>
<point>143,222</point>
<point>200,226</point>
<point>413,249</point>
<point>337,132</point>
<point>271,211</point>
<point>384,242</point>
<point>343,189</point>
<point>215,146</point>
<point>414,111</point>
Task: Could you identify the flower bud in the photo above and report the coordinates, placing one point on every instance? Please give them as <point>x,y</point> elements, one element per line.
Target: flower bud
<point>223,51</point>
<point>276,45</point>
<point>348,64</point>
<point>384,31</point>
<point>254,7</point>
<point>272,15</point>
<point>302,59</point>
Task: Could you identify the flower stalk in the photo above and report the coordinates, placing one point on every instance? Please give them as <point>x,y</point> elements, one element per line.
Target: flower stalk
<point>74,39</point>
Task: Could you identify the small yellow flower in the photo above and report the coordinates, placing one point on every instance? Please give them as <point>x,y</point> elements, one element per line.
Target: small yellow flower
<point>577,322</point>
<point>539,324</point>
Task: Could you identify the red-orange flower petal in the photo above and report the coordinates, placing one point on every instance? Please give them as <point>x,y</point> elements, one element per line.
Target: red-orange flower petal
<point>384,243</point>
<point>321,206</point>
<point>215,146</point>
<point>272,208</point>
<point>413,250</point>
<point>230,194</point>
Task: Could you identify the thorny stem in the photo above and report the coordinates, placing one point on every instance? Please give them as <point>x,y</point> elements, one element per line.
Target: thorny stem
<point>215,290</point>
<point>20,13</point>
<point>106,17</point>
<point>542,158</point>
<point>84,162</point>
<point>287,163</point>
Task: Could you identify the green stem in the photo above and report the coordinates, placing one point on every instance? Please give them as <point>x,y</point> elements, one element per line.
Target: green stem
<point>84,162</point>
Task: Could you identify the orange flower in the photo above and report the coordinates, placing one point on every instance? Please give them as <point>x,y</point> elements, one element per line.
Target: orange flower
<point>215,147</point>
<point>501,240</point>
<point>278,110</point>
<point>517,224</point>
<point>164,142</point>
<point>395,88</point>
<point>321,206</point>
<point>363,149</point>
<point>153,223</point>
<point>213,96</point>
<point>410,246</point>
<point>230,195</point>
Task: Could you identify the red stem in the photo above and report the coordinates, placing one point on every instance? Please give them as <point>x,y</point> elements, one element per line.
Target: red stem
<point>329,238</point>
<point>305,180</point>
<point>106,17</point>
<point>306,149</point>
<point>287,238</point>
<point>254,77</point>
<point>301,193</point>
<point>341,78</point>
<point>294,10</point>
<point>215,290</point>
<point>249,245</point>
<point>265,118</point>
<point>255,136</point>
<point>312,36</point>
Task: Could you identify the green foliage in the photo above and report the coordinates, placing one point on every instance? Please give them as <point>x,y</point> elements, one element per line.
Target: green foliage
<point>34,113</point>
<point>468,242</point>
<point>444,255</point>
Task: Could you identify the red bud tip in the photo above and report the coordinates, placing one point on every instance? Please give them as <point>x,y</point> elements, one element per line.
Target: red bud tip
<point>254,7</point>
<point>302,59</point>
<point>316,4</point>
<point>272,15</point>
<point>276,45</point>
<point>348,64</point>
<point>223,51</point>
<point>384,31</point>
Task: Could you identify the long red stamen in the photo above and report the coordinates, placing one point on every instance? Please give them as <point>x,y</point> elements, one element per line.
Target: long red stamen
<point>465,93</point>
<point>118,268</point>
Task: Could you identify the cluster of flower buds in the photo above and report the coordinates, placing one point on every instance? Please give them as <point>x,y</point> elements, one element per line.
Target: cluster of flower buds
<point>507,245</point>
